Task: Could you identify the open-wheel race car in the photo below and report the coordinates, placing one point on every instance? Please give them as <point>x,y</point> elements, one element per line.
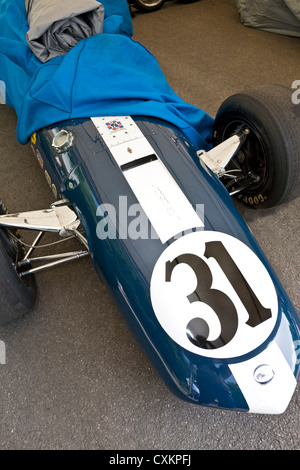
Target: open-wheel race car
<point>145,183</point>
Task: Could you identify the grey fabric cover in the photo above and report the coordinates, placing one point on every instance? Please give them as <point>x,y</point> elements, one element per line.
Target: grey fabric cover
<point>276,16</point>
<point>55,26</point>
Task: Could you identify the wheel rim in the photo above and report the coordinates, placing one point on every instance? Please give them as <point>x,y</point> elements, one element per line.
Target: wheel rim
<point>251,160</point>
<point>150,3</point>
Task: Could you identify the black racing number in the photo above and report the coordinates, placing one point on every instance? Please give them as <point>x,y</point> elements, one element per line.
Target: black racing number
<point>197,329</point>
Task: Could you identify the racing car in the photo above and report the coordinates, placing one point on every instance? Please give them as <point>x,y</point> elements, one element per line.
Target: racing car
<point>149,198</point>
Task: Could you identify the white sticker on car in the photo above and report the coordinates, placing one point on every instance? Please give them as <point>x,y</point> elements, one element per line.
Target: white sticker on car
<point>213,296</point>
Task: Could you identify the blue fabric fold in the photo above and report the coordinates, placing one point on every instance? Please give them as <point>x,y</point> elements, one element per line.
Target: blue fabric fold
<point>104,75</point>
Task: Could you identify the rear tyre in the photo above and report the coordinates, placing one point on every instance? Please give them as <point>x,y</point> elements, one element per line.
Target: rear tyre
<point>17,294</point>
<point>266,168</point>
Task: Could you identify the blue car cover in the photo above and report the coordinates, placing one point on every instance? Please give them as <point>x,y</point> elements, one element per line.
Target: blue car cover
<point>104,75</point>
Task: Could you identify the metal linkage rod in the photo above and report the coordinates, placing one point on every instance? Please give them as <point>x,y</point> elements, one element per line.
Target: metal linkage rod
<point>73,256</point>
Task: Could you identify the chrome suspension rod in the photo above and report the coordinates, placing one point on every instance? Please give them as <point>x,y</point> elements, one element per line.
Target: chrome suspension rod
<point>73,256</point>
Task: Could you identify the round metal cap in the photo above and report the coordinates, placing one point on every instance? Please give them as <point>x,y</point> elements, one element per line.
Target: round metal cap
<point>63,140</point>
<point>264,374</point>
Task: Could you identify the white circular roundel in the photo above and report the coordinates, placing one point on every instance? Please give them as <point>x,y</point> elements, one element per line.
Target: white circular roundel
<point>213,296</point>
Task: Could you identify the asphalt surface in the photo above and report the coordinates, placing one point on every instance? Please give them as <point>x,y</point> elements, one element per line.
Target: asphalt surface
<point>74,376</point>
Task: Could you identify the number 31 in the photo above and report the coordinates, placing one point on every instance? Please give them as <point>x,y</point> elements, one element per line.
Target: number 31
<point>224,308</point>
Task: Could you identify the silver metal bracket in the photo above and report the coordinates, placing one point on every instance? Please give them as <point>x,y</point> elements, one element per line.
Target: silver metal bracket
<point>59,218</point>
<point>217,158</point>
